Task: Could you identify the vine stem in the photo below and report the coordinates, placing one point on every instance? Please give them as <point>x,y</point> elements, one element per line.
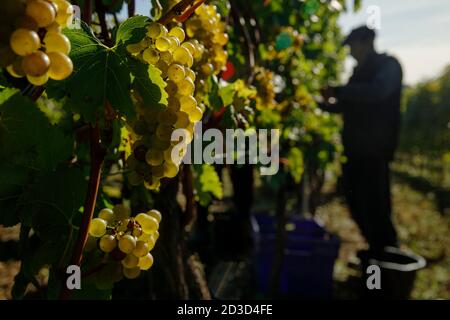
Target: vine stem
<point>86,14</point>
<point>176,11</point>
<point>97,159</point>
<point>188,190</point>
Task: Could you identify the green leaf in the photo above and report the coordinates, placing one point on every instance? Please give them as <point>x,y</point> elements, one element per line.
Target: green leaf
<point>100,75</point>
<point>132,30</point>
<point>227,94</point>
<point>207,184</point>
<point>26,136</point>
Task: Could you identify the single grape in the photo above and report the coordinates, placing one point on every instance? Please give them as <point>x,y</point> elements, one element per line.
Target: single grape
<point>137,231</point>
<point>151,56</point>
<point>196,115</point>
<point>155,214</point>
<point>15,69</point>
<point>54,27</point>
<point>156,30</point>
<point>130,261</point>
<point>38,81</point>
<point>156,235</point>
<point>188,104</point>
<point>132,273</point>
<point>121,212</point>
<point>170,170</point>
<point>107,243</point>
<point>190,74</point>
<point>186,87</point>
<point>146,262</point>
<point>134,48</point>
<point>189,46</point>
<point>182,56</point>
<point>174,43</point>
<point>107,215</point>
<point>64,14</point>
<point>168,117</point>
<point>207,69</point>
<point>141,249</point>
<point>36,64</point>
<point>56,42</point>
<point>158,173</point>
<point>97,227</point>
<point>154,157</point>
<point>164,132</point>
<point>24,42</point>
<point>42,12</point>
<point>167,57</point>
<point>178,32</point>
<point>149,225</point>
<point>163,44</point>
<point>127,243</point>
<point>145,237</point>
<point>61,66</point>
<point>176,72</point>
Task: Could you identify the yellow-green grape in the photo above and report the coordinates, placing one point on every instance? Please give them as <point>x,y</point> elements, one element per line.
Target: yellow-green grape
<point>154,157</point>
<point>207,69</point>
<point>186,87</point>
<point>158,172</point>
<point>127,243</point>
<point>36,64</point>
<point>61,66</point>
<point>145,237</point>
<point>64,14</point>
<point>130,261</point>
<point>174,43</point>
<point>141,249</point>
<point>196,115</point>
<point>56,42</point>
<point>190,74</point>
<point>221,38</point>
<point>146,43</point>
<point>148,224</point>
<point>107,215</point>
<point>146,262</point>
<point>134,48</point>
<point>38,81</point>
<point>190,46</point>
<point>91,244</point>
<point>182,56</point>
<point>132,273</point>
<point>167,57</point>
<point>151,56</point>
<point>156,30</point>
<point>156,235</point>
<point>155,214</point>
<point>170,170</point>
<point>24,42</point>
<point>97,227</point>
<point>42,12</point>
<point>176,72</point>
<point>163,44</point>
<point>107,243</point>
<point>188,104</point>
<point>121,212</point>
<point>182,120</point>
<point>135,179</point>
<point>178,32</point>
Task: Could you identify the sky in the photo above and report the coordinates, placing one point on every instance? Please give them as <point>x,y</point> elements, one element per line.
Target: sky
<point>417,32</point>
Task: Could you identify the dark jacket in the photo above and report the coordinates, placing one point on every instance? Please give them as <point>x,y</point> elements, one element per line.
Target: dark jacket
<point>370,104</point>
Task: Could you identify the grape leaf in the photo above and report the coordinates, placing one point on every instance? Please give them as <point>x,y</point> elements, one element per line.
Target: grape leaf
<point>207,184</point>
<point>132,30</point>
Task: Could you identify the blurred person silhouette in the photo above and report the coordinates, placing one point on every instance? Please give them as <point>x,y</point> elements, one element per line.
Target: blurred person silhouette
<point>370,105</point>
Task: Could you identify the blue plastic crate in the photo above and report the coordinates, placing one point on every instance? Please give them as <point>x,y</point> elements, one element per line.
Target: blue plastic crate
<point>309,257</point>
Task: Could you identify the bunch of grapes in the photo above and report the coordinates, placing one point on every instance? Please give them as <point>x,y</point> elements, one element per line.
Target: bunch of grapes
<point>153,156</point>
<point>265,86</point>
<point>209,30</point>
<point>31,41</point>
<point>125,239</point>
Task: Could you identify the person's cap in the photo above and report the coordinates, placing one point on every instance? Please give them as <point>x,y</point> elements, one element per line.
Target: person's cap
<point>360,34</point>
